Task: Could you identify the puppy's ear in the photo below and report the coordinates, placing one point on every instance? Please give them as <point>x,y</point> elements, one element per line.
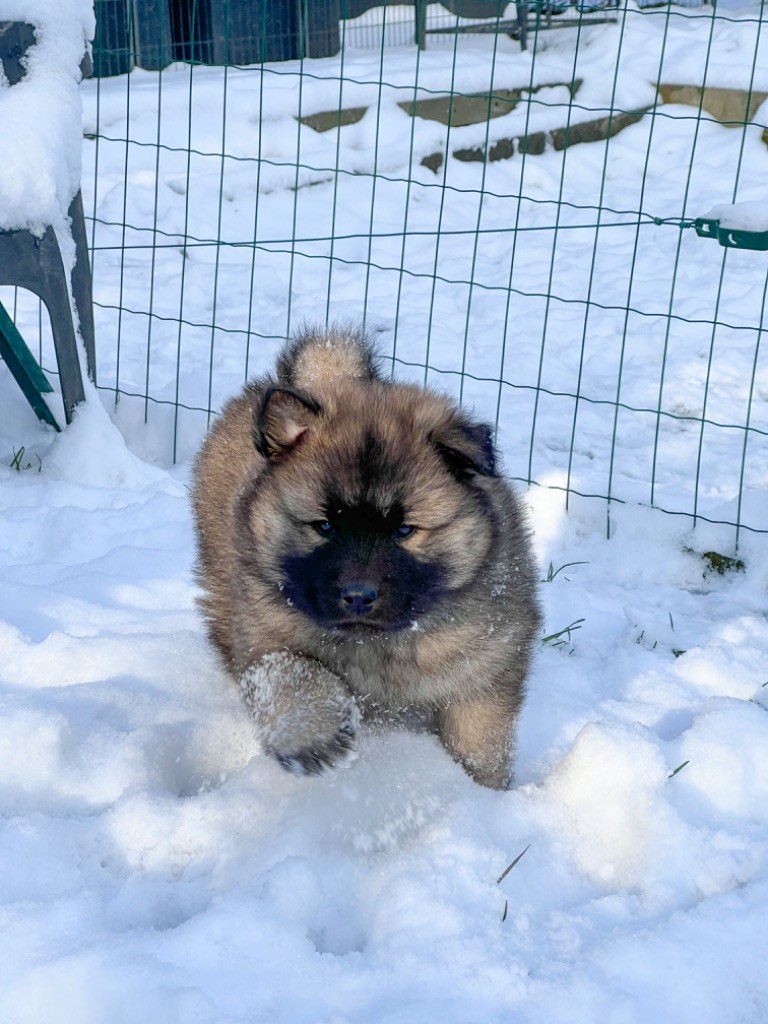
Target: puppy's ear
<point>282,420</point>
<point>467,448</point>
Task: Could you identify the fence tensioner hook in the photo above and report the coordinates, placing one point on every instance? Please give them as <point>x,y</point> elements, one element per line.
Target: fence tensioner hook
<point>733,225</point>
<point>731,238</point>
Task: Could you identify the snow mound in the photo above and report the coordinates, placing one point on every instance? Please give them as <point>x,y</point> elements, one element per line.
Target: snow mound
<point>609,789</point>
<point>91,452</point>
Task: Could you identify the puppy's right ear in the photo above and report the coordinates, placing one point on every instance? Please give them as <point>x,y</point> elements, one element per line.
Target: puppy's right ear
<point>282,420</point>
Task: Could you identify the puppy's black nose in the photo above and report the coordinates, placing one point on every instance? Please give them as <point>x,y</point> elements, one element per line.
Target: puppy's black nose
<point>358,598</point>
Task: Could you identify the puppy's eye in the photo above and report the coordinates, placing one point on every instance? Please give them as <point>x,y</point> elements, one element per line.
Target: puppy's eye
<point>402,532</point>
<point>323,527</point>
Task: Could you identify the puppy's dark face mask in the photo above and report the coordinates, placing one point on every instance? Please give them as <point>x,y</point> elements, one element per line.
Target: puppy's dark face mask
<point>361,575</point>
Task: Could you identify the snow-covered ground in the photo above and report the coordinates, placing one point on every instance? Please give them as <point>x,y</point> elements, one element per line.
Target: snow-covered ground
<point>153,866</point>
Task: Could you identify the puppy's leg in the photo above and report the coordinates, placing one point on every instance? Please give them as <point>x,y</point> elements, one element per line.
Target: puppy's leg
<point>305,717</point>
<point>478,734</point>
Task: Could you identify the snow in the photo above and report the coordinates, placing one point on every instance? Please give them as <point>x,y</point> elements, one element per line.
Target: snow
<point>42,117</point>
<point>741,216</point>
<point>154,865</point>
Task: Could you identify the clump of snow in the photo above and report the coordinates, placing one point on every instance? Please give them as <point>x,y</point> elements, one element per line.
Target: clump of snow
<point>610,790</point>
<point>751,216</point>
<point>728,666</point>
<point>729,782</point>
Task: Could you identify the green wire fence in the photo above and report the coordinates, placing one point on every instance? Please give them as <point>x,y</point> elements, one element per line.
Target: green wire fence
<point>527,228</point>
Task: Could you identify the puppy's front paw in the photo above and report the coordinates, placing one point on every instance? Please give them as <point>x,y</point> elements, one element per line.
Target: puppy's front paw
<point>306,718</point>
<point>309,740</point>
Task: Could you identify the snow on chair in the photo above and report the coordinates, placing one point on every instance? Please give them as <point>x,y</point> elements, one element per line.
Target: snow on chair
<point>42,229</point>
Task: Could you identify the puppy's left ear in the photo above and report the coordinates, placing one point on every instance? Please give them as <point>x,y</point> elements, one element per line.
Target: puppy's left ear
<point>467,448</point>
<point>283,419</point>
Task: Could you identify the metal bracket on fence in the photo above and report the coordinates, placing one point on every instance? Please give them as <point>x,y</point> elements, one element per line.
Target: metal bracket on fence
<point>731,238</point>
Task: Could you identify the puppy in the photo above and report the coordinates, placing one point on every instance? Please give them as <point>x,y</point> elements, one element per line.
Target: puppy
<point>359,549</point>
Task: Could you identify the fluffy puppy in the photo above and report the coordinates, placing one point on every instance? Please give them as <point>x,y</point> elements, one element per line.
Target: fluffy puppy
<point>358,549</point>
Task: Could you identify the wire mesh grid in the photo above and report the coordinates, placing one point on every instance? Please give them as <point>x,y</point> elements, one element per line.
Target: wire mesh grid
<point>438,195</point>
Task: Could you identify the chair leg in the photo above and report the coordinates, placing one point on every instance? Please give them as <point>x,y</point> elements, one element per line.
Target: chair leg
<point>36,264</point>
<point>81,283</point>
<point>56,297</point>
